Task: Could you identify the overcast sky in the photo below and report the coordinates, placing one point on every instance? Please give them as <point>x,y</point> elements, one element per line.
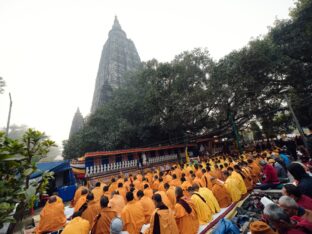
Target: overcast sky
<point>50,50</point>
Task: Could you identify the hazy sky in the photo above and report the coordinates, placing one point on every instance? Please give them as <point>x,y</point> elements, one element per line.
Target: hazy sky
<point>50,50</point>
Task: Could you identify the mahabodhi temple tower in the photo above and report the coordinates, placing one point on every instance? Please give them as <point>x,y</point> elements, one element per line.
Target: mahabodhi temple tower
<point>119,56</point>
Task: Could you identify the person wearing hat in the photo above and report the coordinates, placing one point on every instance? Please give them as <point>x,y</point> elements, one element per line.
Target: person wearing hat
<point>259,227</point>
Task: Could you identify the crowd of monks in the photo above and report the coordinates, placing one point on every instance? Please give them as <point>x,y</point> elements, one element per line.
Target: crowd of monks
<point>173,201</point>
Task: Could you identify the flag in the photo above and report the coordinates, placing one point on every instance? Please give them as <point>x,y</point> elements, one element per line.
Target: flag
<point>187,155</point>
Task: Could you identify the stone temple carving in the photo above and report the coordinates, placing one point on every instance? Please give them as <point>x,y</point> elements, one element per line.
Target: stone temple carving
<point>77,123</point>
<point>119,56</point>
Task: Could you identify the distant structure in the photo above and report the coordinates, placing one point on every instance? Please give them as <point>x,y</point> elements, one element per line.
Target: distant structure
<point>119,56</point>
<point>77,123</point>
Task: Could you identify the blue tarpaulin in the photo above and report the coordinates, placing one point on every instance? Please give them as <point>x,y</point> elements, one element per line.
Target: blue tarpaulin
<point>57,166</point>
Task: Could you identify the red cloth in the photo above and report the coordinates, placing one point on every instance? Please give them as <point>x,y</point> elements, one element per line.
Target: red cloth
<point>305,202</point>
<point>270,175</point>
<point>302,227</point>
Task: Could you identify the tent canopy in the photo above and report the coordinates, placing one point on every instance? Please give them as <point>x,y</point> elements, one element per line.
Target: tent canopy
<point>57,166</point>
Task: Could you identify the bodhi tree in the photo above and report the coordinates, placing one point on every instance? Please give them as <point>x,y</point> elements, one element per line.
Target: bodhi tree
<point>18,159</point>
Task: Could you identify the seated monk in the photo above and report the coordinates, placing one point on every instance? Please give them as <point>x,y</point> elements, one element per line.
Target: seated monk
<point>92,209</point>
<point>106,192</point>
<point>97,191</point>
<point>175,181</point>
<point>82,200</point>
<point>185,214</point>
<point>103,220</point>
<point>122,190</point>
<point>162,220</point>
<point>211,201</point>
<point>221,194</point>
<point>147,204</point>
<point>170,192</point>
<point>132,215</point>
<point>117,202</point>
<point>202,209</point>
<point>165,199</point>
<point>52,217</point>
<point>77,225</point>
<point>77,195</point>
<point>148,191</point>
<point>231,186</point>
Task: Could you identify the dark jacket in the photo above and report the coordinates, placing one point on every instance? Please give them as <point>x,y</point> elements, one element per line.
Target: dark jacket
<point>305,185</point>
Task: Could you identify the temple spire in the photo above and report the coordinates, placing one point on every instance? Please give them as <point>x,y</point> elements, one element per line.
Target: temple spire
<point>77,123</point>
<point>116,24</point>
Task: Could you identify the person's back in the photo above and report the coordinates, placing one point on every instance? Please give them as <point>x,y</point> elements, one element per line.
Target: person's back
<point>211,200</point>
<point>162,221</point>
<point>222,195</point>
<point>202,209</point>
<point>270,175</point>
<point>52,216</point>
<point>117,203</point>
<point>185,214</point>
<point>303,179</point>
<point>147,204</point>
<point>77,225</point>
<point>103,220</point>
<point>92,210</point>
<point>132,215</point>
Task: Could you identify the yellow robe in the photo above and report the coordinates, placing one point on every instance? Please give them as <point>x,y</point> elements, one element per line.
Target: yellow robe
<point>231,186</point>
<point>240,182</point>
<point>77,225</point>
<point>202,209</point>
<point>211,200</point>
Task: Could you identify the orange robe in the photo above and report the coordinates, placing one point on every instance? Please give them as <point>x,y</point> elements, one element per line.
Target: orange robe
<point>77,225</point>
<point>222,195</point>
<point>52,217</point>
<point>77,195</point>
<point>113,187</point>
<point>165,199</point>
<point>117,203</point>
<point>91,212</point>
<point>122,191</point>
<point>172,197</point>
<point>133,217</point>
<point>138,184</point>
<point>97,192</point>
<point>187,222</point>
<point>161,186</point>
<point>206,180</point>
<point>155,185</point>
<point>175,182</point>
<point>148,192</point>
<point>103,221</point>
<point>82,200</point>
<point>167,224</point>
<point>148,207</point>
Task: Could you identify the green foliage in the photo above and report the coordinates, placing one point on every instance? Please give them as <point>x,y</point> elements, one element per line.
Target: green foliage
<point>193,95</point>
<point>18,159</point>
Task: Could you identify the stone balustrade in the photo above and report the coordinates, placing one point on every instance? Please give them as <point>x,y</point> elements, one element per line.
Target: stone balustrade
<point>104,168</point>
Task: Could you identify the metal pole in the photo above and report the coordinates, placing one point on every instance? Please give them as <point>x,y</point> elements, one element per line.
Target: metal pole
<point>9,117</point>
<point>296,121</point>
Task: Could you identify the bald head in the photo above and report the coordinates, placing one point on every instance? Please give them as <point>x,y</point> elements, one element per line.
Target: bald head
<point>52,199</point>
<point>84,191</point>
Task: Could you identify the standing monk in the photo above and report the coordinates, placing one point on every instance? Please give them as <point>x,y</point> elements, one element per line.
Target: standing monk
<point>103,220</point>
<point>132,215</point>
<point>220,193</point>
<point>170,194</point>
<point>52,217</point>
<point>185,214</point>
<point>162,221</point>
